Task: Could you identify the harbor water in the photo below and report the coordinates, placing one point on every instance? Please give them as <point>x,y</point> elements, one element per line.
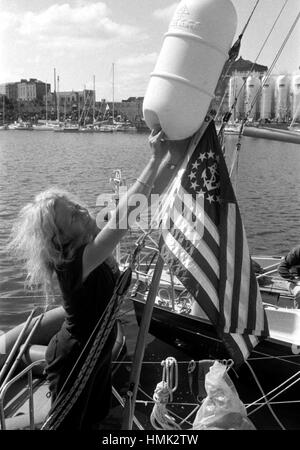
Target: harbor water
<point>266,183</point>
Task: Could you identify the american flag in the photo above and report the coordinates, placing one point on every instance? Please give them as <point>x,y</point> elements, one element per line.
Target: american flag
<point>203,241</point>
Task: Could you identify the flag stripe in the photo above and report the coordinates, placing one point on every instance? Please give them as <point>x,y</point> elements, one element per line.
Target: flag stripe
<point>188,262</point>
<point>260,327</point>
<point>209,225</point>
<point>245,292</point>
<point>253,340</point>
<point>239,339</point>
<point>190,237</point>
<point>238,260</point>
<point>204,265</point>
<point>230,257</point>
<point>181,221</point>
<point>209,236</point>
<point>211,243</point>
<point>190,282</point>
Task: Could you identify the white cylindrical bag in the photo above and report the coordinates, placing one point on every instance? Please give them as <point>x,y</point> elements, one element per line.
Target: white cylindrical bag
<point>189,65</point>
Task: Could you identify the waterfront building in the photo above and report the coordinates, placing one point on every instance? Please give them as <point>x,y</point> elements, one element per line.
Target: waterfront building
<point>240,82</point>
<point>76,102</point>
<point>130,109</point>
<point>10,90</point>
<point>25,90</point>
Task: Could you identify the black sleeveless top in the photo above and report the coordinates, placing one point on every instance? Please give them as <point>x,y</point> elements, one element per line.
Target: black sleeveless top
<point>85,302</point>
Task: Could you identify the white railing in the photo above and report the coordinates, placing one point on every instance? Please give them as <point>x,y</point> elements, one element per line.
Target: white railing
<point>7,385</point>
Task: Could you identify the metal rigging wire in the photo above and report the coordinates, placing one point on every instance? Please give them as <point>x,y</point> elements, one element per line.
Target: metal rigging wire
<point>234,51</point>
<point>275,60</point>
<point>259,53</point>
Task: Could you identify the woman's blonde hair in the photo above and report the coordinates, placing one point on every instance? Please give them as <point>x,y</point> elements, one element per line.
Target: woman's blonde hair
<point>35,239</point>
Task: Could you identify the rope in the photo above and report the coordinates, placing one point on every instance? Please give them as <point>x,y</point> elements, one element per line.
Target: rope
<point>26,296</point>
<point>283,358</point>
<point>276,395</point>
<point>228,115</point>
<point>151,401</point>
<point>250,17</point>
<point>276,57</point>
<point>121,401</point>
<point>249,359</point>
<point>233,54</point>
<point>264,396</point>
<point>275,389</point>
<point>238,145</point>
<point>259,53</point>
<point>160,418</point>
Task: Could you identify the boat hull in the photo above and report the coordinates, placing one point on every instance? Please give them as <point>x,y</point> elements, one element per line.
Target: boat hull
<point>272,361</point>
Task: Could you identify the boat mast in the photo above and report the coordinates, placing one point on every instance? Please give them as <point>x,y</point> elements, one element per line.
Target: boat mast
<point>140,346</point>
<point>55,97</point>
<point>57,101</point>
<point>94,98</point>
<point>46,102</point>
<point>84,100</point>
<point>78,104</point>
<point>113,92</point>
<point>3,108</point>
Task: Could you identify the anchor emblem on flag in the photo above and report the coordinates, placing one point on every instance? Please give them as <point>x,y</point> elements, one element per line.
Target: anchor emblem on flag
<point>210,177</point>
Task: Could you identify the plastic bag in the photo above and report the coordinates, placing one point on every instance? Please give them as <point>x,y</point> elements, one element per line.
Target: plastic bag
<point>222,409</point>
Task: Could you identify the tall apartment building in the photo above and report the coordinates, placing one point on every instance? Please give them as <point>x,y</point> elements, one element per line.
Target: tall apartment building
<point>10,90</point>
<point>26,91</point>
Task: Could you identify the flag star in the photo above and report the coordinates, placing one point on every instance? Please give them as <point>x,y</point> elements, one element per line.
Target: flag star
<point>201,192</point>
<point>194,185</point>
<point>192,175</point>
<point>195,165</point>
<point>210,198</point>
<point>202,157</point>
<point>218,199</point>
<point>210,154</point>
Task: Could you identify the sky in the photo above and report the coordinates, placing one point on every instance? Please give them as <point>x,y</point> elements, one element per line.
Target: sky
<point>87,38</point>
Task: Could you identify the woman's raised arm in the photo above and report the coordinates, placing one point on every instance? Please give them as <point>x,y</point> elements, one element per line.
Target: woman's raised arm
<point>107,239</point>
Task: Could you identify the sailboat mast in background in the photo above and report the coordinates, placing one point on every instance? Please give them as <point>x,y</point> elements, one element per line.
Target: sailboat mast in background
<point>57,98</point>
<point>94,99</point>
<point>46,102</point>
<point>113,91</point>
<point>3,109</point>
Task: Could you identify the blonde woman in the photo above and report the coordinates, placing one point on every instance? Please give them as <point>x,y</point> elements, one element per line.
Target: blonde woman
<point>55,235</point>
